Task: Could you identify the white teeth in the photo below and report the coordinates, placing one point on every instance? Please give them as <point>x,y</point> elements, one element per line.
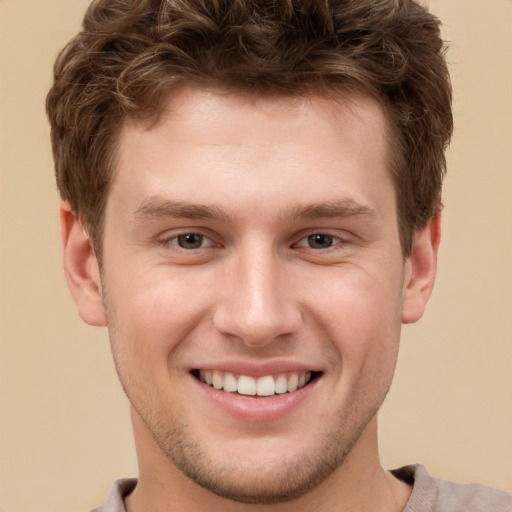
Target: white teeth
<point>267,385</point>
<point>230,383</point>
<point>292,383</point>
<point>281,385</point>
<point>246,385</point>
<point>217,380</point>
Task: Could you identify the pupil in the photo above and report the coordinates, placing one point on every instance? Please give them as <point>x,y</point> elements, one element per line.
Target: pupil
<point>320,241</point>
<point>190,241</point>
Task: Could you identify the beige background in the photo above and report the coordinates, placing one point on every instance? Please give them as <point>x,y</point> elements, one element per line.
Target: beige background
<point>64,426</point>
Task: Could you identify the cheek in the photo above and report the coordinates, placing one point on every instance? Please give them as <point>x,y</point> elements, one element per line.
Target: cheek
<point>152,312</point>
<point>361,314</point>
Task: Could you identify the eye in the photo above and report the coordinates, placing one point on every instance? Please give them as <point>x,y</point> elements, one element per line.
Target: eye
<point>319,241</point>
<point>191,241</point>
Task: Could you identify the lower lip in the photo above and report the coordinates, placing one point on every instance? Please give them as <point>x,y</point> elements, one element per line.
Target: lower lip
<point>255,408</point>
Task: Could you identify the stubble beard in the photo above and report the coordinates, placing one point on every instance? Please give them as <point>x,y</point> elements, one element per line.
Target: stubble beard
<point>236,478</point>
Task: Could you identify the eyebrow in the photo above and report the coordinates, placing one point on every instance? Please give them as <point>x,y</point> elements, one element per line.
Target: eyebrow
<point>159,207</point>
<point>331,209</point>
<point>155,207</point>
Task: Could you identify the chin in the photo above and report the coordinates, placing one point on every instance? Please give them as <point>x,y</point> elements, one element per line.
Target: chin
<point>290,480</point>
<point>268,477</point>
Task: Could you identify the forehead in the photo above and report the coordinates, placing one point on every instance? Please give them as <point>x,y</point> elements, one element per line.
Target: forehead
<point>199,116</point>
<point>208,144</point>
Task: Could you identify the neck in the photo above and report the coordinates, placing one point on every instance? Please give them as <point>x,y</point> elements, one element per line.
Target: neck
<point>359,484</point>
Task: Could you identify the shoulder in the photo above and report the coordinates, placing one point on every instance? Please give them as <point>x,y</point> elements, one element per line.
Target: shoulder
<point>115,499</point>
<point>435,495</point>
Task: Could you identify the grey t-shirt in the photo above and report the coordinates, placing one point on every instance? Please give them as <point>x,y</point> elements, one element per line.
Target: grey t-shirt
<point>428,494</point>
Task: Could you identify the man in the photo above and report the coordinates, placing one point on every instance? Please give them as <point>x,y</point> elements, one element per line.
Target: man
<point>251,204</point>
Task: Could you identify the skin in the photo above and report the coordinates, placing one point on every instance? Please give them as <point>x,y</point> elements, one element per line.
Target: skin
<point>254,179</point>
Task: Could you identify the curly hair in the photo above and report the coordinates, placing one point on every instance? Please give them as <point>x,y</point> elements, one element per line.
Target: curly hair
<point>130,55</point>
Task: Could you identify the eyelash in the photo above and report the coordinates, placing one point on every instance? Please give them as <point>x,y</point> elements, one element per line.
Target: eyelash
<point>332,240</point>
<point>179,239</point>
<point>175,240</point>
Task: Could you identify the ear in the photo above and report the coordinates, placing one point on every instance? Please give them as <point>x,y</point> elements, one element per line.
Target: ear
<point>81,268</point>
<point>420,270</point>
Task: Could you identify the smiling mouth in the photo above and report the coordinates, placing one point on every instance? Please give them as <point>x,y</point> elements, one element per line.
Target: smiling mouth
<point>267,385</point>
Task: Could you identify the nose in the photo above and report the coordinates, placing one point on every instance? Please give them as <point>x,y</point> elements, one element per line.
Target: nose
<point>256,304</point>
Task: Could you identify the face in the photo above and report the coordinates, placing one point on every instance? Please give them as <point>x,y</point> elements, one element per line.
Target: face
<point>253,285</point>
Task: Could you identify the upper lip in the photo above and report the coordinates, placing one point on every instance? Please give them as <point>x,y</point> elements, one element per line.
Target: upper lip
<point>258,369</point>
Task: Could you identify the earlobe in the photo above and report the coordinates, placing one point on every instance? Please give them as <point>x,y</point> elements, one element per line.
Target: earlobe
<point>81,268</point>
<point>420,270</point>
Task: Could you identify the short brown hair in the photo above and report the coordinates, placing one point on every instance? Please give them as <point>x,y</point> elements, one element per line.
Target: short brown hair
<point>131,53</point>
